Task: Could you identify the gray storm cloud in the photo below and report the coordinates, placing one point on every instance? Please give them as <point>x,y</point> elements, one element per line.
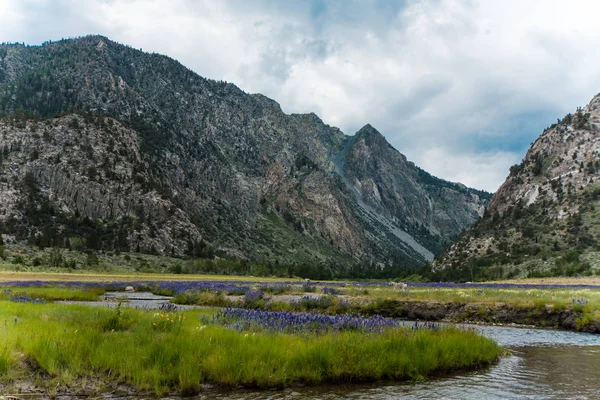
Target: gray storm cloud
<point>460,87</point>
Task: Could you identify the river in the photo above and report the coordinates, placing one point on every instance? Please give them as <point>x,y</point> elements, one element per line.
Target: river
<point>544,364</point>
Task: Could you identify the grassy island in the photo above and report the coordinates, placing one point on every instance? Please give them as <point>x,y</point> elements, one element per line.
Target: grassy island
<point>55,346</point>
<point>259,333</point>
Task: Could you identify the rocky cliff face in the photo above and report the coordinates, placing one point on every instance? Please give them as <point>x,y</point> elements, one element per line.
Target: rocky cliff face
<point>543,220</point>
<point>109,147</point>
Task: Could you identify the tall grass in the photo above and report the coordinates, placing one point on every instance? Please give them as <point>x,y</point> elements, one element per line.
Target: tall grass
<point>71,343</point>
<point>6,359</point>
<point>519,297</point>
<point>53,293</point>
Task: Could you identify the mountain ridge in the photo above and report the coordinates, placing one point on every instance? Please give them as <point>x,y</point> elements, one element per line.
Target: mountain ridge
<point>542,221</point>
<point>244,178</point>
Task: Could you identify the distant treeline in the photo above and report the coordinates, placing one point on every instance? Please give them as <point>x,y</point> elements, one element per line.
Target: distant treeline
<point>322,271</point>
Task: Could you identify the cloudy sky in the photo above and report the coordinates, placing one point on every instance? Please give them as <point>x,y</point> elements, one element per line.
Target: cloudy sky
<point>460,87</point>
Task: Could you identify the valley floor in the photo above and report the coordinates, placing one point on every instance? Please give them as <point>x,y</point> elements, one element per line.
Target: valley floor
<point>559,280</point>
<point>69,346</point>
<point>564,303</point>
<point>53,349</point>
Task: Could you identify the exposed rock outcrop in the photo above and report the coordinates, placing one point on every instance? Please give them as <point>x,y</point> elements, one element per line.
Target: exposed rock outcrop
<point>159,158</point>
<point>543,220</point>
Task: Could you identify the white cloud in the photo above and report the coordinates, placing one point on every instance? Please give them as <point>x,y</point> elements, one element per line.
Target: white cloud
<point>481,170</point>
<point>452,84</point>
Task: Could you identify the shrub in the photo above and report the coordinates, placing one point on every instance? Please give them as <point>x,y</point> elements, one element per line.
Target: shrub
<point>254,299</point>
<point>176,269</point>
<point>312,303</point>
<point>309,288</point>
<point>118,321</point>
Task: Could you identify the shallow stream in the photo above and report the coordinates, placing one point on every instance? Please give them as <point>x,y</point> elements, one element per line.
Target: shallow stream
<point>545,364</point>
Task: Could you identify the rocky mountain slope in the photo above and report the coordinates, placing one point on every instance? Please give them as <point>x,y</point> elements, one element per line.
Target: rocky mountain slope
<point>107,147</point>
<point>544,219</point>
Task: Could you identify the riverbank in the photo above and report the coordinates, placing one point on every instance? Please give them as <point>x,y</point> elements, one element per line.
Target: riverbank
<point>552,304</point>
<point>575,317</point>
<point>82,350</point>
<point>572,318</point>
<point>558,306</point>
<point>80,355</point>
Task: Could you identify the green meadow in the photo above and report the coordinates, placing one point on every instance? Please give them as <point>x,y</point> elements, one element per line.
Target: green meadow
<point>89,349</point>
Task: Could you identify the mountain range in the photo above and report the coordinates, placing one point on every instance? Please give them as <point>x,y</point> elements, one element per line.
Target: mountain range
<point>106,147</point>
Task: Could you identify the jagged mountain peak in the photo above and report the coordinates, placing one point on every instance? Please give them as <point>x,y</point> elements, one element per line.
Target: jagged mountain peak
<point>159,158</point>
<point>556,155</point>
<point>545,209</point>
<point>369,132</point>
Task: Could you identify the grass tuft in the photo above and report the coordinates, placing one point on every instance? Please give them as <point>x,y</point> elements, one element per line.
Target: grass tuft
<point>73,344</point>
